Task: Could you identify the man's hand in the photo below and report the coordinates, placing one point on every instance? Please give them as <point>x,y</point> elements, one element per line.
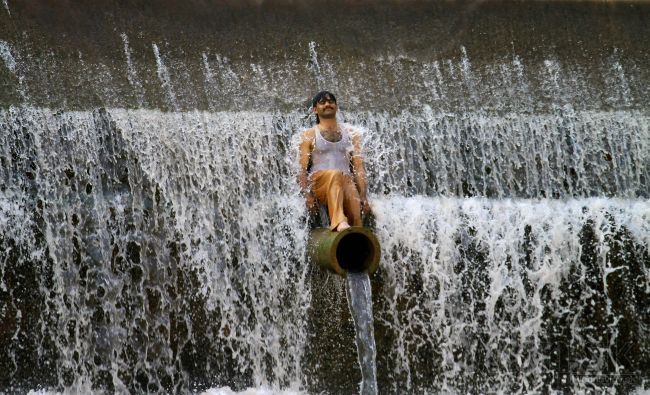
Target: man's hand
<point>365,207</point>
<point>310,202</point>
<point>304,155</point>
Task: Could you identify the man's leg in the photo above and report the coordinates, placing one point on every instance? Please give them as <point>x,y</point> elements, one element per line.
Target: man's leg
<point>329,188</point>
<point>352,202</point>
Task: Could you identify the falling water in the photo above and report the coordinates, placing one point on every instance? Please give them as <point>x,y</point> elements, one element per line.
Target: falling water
<point>130,208</point>
<point>164,77</point>
<point>359,295</point>
<point>7,57</point>
<point>131,71</point>
<point>481,286</point>
<point>313,64</point>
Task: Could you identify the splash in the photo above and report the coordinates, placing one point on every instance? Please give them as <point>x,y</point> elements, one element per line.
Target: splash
<point>617,80</point>
<point>7,57</point>
<point>314,66</point>
<point>131,72</point>
<point>164,77</point>
<point>209,77</point>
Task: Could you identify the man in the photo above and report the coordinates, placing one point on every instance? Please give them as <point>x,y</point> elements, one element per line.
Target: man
<point>331,166</point>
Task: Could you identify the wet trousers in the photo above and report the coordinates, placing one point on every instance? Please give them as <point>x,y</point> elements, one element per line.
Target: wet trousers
<point>337,191</point>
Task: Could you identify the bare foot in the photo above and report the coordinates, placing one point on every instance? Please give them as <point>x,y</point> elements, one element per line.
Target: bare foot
<point>342,226</point>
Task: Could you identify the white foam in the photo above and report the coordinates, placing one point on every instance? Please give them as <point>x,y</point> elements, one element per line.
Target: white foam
<point>7,57</point>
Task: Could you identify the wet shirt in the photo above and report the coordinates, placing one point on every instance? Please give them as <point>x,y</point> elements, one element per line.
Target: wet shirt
<point>327,155</point>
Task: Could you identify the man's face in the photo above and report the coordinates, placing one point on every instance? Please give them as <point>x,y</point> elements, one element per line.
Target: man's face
<point>326,108</point>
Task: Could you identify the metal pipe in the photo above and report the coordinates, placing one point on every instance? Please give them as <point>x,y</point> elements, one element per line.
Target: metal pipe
<point>355,249</point>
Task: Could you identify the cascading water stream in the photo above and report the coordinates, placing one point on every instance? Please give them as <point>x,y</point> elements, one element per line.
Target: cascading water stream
<point>359,295</point>
<point>137,216</point>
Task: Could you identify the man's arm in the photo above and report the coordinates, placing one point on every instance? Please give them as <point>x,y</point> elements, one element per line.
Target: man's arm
<point>304,156</point>
<point>360,173</point>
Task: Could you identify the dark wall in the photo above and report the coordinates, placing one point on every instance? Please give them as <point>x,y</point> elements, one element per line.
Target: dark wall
<point>72,54</point>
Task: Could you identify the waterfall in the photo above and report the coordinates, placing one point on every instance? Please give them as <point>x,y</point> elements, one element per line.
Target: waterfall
<point>170,237</point>
<point>152,234</point>
<point>510,289</point>
<point>159,262</point>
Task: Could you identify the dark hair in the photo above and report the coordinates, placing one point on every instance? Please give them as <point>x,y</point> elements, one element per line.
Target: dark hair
<point>320,96</point>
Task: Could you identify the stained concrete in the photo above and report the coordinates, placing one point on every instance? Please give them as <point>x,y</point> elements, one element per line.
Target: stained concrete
<point>451,56</point>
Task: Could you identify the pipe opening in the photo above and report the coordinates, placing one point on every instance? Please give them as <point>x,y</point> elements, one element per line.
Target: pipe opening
<point>355,252</point>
